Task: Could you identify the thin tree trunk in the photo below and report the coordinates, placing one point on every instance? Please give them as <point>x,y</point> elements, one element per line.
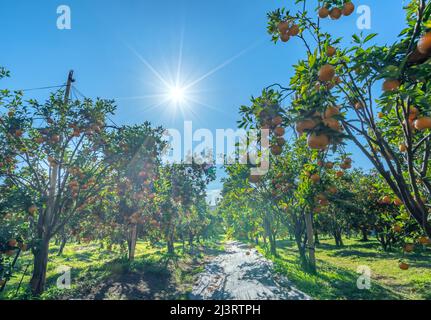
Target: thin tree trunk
<point>62,245</point>
<point>170,244</point>
<point>40,264</point>
<point>133,237</point>
<point>364,232</point>
<point>310,240</point>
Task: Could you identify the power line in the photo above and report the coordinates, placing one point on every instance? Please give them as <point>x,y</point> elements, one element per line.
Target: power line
<point>76,90</point>
<point>42,88</point>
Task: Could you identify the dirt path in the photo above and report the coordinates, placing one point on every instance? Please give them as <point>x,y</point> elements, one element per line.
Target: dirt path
<point>242,273</point>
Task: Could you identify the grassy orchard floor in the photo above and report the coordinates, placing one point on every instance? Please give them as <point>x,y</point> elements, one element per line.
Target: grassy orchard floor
<point>337,277</point>
<point>97,273</point>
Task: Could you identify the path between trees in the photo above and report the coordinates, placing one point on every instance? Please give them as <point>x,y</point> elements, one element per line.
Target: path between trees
<point>242,273</point>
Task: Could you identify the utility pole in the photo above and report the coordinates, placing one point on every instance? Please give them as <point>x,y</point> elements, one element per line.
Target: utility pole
<point>69,82</point>
<point>55,166</point>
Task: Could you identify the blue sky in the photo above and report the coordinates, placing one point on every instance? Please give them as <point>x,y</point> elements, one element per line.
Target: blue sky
<point>224,39</point>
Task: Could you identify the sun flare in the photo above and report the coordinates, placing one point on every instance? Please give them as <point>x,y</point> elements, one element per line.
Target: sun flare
<point>177,94</point>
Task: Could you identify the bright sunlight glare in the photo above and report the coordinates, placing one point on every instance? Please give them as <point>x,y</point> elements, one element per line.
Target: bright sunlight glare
<point>176,94</point>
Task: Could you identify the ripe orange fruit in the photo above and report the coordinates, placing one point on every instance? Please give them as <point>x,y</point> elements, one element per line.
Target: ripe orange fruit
<point>339,174</point>
<point>335,13</point>
<point>32,209</point>
<point>329,165</point>
<point>284,37</point>
<point>333,124</point>
<point>423,123</point>
<point>404,266</point>
<point>283,26</point>
<point>323,12</point>
<point>409,247</point>
<point>381,115</point>
<point>276,150</point>
<point>424,240</point>
<point>424,44</point>
<point>12,243</point>
<point>331,51</point>
<point>307,124</point>
<point>348,8</point>
<point>413,113</point>
<point>281,141</point>
<point>345,166</point>
<point>331,111</point>
<point>332,190</point>
<point>402,147</point>
<point>326,73</point>
<point>397,228</point>
<point>386,200</point>
<point>276,121</point>
<point>315,178</point>
<point>279,131</point>
<point>18,133</point>
<point>391,85</point>
<point>294,30</point>
<point>398,202</point>
<point>319,142</point>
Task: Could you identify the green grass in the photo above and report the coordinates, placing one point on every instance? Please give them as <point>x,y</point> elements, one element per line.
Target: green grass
<point>337,275</point>
<point>91,264</point>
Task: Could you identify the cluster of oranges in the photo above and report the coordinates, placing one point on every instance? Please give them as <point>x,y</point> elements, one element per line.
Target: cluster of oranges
<point>388,200</point>
<point>328,120</point>
<point>335,13</point>
<point>270,119</point>
<point>287,29</point>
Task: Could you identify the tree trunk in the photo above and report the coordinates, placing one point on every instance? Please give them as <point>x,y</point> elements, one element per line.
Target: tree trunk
<point>310,240</point>
<point>133,237</point>
<point>170,244</point>
<point>273,244</point>
<point>40,264</point>
<point>62,245</point>
<point>364,232</point>
<point>316,237</point>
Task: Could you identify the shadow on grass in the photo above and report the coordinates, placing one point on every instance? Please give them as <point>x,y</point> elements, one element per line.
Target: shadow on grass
<point>330,281</point>
<point>153,276</point>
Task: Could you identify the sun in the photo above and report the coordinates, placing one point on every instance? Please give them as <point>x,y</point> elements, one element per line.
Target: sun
<point>177,94</point>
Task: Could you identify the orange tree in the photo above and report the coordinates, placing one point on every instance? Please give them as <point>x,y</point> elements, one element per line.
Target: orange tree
<point>134,153</point>
<point>334,90</point>
<point>296,184</point>
<point>180,190</point>
<point>52,152</point>
<point>241,220</point>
